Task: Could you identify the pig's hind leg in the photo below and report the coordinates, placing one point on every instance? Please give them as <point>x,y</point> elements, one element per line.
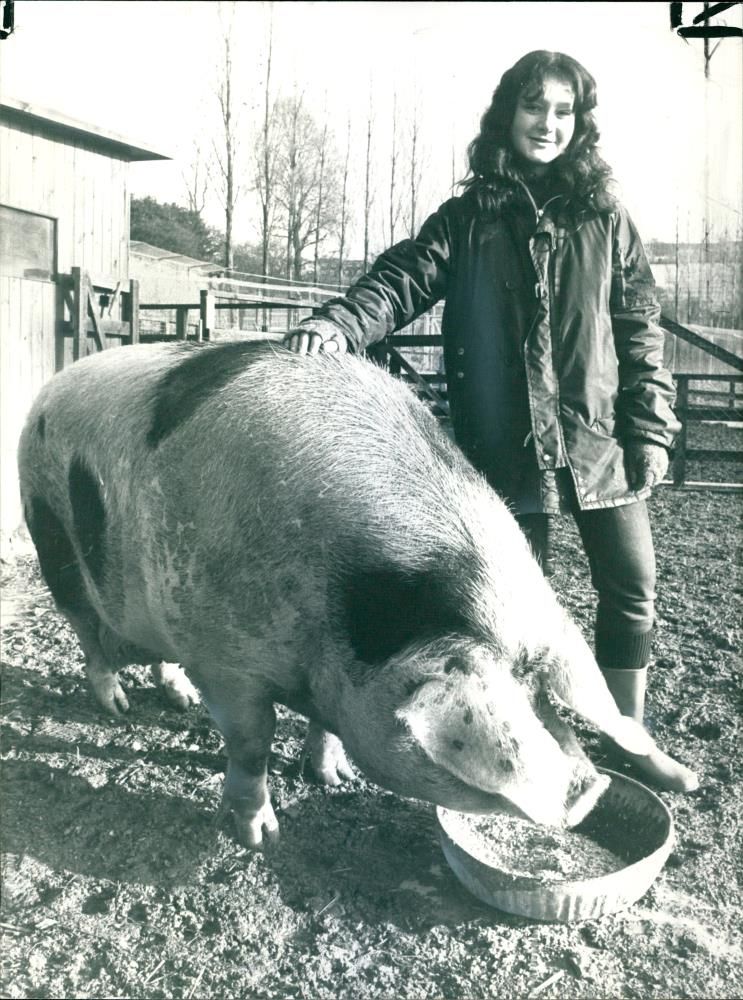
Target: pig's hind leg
<point>63,576</point>
<point>329,760</point>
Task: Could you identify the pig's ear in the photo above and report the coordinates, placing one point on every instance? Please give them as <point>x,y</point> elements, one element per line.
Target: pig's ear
<point>460,727</point>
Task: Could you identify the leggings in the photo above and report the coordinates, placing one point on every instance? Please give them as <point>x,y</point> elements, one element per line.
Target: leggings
<point>619,545</point>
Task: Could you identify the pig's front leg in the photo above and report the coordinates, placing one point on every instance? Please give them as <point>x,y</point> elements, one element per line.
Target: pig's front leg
<point>329,759</point>
<point>246,796</point>
<point>174,684</point>
<point>247,726</point>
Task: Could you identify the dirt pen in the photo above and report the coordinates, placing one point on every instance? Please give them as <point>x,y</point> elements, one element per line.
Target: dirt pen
<point>120,880</point>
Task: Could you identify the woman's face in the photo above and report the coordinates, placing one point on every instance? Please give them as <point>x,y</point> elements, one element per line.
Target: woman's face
<point>544,123</point>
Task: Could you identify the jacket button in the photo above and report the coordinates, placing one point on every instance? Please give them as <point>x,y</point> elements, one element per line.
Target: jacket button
<point>460,374</point>
<point>460,350</point>
<point>510,285</point>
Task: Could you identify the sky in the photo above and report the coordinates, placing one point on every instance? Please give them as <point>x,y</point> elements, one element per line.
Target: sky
<point>147,70</point>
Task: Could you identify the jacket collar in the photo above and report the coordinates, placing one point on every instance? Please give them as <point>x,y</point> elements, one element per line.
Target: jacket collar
<point>538,212</point>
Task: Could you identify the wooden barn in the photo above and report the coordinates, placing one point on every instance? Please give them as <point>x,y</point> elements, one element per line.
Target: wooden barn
<point>64,205</point>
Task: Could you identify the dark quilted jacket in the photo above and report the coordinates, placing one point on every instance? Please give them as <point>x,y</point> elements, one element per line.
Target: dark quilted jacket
<point>553,353</point>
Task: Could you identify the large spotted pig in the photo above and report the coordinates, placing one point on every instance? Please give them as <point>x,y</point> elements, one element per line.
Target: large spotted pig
<point>299,530</point>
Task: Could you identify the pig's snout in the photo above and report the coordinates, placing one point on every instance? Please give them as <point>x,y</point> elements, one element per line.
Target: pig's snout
<point>588,789</point>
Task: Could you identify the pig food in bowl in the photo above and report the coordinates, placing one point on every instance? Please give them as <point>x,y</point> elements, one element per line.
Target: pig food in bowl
<point>604,864</point>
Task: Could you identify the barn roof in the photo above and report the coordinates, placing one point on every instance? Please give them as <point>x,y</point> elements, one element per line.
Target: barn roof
<point>57,125</point>
<point>157,253</point>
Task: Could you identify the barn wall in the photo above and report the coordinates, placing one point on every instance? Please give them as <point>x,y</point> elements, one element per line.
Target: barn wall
<point>86,193</point>
<point>27,312</point>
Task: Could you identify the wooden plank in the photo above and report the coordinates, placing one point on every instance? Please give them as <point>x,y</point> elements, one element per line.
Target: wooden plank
<point>20,154</point>
<point>134,310</point>
<point>272,304</point>
<point>5,175</point>
<point>162,306</point>
<point>13,405</point>
<point>113,300</point>
<point>415,340</point>
<point>206,314</point>
<point>237,333</point>
<point>124,212</point>
<point>711,377</point>
<point>90,259</point>
<point>702,485</point>
<point>64,209</point>
<point>720,455</point>
<point>106,220</point>
<point>721,353</point>
<point>704,413</point>
<point>119,328</point>
<point>250,306</point>
<point>93,309</point>
<point>181,323</point>
<point>50,331</point>
<point>679,458</point>
<point>427,389</point>
<point>79,315</point>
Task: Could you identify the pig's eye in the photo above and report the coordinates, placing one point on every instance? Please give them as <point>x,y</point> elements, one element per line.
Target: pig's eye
<point>457,663</point>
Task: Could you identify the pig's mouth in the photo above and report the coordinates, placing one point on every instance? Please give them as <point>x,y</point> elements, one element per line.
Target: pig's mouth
<point>581,798</point>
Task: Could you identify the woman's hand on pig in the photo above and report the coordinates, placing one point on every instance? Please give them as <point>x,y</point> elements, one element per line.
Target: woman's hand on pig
<point>646,464</point>
<point>316,341</point>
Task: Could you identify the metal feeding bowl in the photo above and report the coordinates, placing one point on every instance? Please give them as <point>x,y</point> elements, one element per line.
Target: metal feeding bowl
<point>622,845</point>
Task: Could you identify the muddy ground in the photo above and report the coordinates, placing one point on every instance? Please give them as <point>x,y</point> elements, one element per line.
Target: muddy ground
<point>119,881</point>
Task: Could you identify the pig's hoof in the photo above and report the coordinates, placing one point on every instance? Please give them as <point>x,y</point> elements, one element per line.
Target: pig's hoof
<point>253,828</point>
<point>110,694</point>
<point>329,761</point>
<point>174,684</point>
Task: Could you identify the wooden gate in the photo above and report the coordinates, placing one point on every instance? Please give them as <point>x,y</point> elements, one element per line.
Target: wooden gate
<point>94,316</point>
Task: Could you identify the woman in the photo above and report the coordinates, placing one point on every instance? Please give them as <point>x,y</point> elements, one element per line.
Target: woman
<point>553,355</point>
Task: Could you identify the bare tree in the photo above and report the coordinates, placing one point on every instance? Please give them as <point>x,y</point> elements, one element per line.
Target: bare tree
<point>196,179</point>
<point>309,204</point>
<point>320,205</point>
<point>415,173</point>
<point>225,153</point>
<point>394,206</point>
<point>266,158</point>
<point>368,193</point>
<point>344,207</point>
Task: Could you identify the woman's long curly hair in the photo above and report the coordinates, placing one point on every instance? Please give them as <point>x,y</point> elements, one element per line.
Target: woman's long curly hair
<point>579,173</point>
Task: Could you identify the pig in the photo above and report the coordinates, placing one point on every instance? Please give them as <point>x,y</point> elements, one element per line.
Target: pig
<point>302,531</point>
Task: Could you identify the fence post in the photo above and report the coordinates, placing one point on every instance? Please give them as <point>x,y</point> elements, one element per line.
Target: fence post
<point>134,311</point>
<point>79,314</point>
<point>206,314</point>
<point>682,405</point>
<point>181,322</point>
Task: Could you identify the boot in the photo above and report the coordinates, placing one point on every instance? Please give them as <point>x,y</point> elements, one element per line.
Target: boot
<point>627,687</point>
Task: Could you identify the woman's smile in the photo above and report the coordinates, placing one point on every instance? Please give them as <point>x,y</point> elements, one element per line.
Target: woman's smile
<point>544,123</point>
